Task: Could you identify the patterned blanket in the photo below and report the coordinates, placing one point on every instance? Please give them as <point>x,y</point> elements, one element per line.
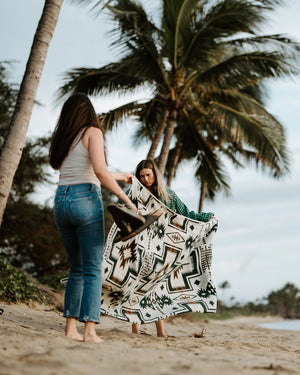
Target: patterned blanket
<point>163,270</point>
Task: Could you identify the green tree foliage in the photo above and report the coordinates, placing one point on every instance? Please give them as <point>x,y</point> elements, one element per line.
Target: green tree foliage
<point>15,286</point>
<point>8,94</point>
<point>285,301</point>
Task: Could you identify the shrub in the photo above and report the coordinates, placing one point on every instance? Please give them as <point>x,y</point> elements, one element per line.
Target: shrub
<point>15,286</point>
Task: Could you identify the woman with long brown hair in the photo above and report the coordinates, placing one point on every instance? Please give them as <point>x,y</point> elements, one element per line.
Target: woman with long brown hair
<point>77,151</point>
<point>148,174</point>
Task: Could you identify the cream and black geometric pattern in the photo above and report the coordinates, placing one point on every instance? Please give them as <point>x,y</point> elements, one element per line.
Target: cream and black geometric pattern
<point>164,270</point>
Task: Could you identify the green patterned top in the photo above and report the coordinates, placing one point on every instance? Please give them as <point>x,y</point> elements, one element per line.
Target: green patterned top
<point>176,205</point>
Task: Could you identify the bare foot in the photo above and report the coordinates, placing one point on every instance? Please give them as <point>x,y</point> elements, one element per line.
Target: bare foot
<point>160,328</point>
<point>74,335</point>
<point>93,338</point>
<point>135,328</point>
<point>71,330</point>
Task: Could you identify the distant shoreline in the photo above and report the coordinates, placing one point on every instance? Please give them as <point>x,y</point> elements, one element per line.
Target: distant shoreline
<point>283,324</point>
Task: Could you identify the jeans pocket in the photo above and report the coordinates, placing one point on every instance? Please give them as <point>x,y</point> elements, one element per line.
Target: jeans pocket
<point>81,209</point>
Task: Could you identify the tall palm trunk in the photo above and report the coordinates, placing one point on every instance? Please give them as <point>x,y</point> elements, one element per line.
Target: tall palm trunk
<point>164,152</point>
<point>157,136</point>
<point>175,162</point>
<point>14,143</point>
<point>202,195</point>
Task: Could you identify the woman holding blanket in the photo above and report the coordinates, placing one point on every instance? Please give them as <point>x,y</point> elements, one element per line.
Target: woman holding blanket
<point>148,174</point>
<point>77,151</point>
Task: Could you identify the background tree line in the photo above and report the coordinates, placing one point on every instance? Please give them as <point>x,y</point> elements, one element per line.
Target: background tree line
<point>284,302</point>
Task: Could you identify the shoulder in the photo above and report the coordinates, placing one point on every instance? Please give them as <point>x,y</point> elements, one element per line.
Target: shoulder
<point>92,135</point>
<point>93,132</point>
<point>171,194</point>
<point>173,198</point>
<point>170,191</point>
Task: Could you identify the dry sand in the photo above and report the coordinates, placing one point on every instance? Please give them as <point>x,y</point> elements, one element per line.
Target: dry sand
<point>32,342</point>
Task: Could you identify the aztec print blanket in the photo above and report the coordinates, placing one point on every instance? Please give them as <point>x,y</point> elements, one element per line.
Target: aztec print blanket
<point>163,270</point>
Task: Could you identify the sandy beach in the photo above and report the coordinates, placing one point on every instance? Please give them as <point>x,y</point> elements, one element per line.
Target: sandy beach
<point>32,342</point>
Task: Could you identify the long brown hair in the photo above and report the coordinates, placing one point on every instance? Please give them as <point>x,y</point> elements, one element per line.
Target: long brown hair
<point>77,113</point>
<point>158,188</point>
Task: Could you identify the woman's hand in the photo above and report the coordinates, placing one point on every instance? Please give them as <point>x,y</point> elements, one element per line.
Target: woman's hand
<point>126,200</point>
<point>127,177</point>
<point>129,204</point>
<point>123,176</point>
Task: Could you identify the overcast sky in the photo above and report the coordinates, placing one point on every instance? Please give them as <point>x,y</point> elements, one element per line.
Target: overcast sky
<point>257,247</point>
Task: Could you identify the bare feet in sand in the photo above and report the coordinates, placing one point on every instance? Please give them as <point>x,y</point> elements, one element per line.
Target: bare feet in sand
<point>75,336</point>
<point>90,333</point>
<point>159,328</point>
<point>135,328</point>
<point>93,338</point>
<point>71,330</point>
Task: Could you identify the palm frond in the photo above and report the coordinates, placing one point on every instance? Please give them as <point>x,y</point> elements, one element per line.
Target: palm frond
<point>245,69</point>
<point>112,118</point>
<point>95,6</point>
<point>257,133</point>
<point>135,32</point>
<point>176,16</point>
<point>277,42</point>
<point>122,77</point>
<point>217,22</point>
<point>210,168</point>
<point>150,116</point>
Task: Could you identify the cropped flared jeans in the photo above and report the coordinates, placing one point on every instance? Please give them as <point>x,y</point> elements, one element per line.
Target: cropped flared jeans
<point>78,213</point>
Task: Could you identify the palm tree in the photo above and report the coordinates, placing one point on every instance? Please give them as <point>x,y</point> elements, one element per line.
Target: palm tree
<point>224,285</point>
<point>202,140</point>
<point>200,58</point>
<point>12,150</point>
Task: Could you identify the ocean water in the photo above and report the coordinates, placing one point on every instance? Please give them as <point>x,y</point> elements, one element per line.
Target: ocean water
<point>285,324</point>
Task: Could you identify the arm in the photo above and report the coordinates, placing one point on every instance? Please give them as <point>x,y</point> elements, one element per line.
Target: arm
<point>178,206</point>
<point>93,139</point>
<point>122,176</point>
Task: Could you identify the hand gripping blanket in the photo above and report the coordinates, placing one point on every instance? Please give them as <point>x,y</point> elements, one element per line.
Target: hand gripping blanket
<point>163,270</point>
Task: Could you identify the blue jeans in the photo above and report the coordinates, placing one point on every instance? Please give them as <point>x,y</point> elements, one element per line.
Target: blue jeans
<point>78,213</point>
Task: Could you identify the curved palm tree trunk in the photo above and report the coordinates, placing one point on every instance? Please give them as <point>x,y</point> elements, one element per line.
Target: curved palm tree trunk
<point>14,143</point>
<point>202,195</point>
<point>175,162</point>
<point>164,152</point>
<point>157,137</point>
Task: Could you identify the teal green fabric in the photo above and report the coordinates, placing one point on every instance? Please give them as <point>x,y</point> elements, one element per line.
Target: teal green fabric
<point>179,207</point>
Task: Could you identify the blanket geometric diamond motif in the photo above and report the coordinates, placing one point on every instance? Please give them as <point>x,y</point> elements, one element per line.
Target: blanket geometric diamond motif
<point>162,271</point>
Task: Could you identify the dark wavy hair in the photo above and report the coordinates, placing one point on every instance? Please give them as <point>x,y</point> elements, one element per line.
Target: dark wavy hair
<point>158,188</point>
<point>77,113</point>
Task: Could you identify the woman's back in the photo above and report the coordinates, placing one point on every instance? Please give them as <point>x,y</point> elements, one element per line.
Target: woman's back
<point>77,167</point>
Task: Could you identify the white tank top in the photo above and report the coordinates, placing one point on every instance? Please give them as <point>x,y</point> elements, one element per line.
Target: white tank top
<point>77,167</point>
